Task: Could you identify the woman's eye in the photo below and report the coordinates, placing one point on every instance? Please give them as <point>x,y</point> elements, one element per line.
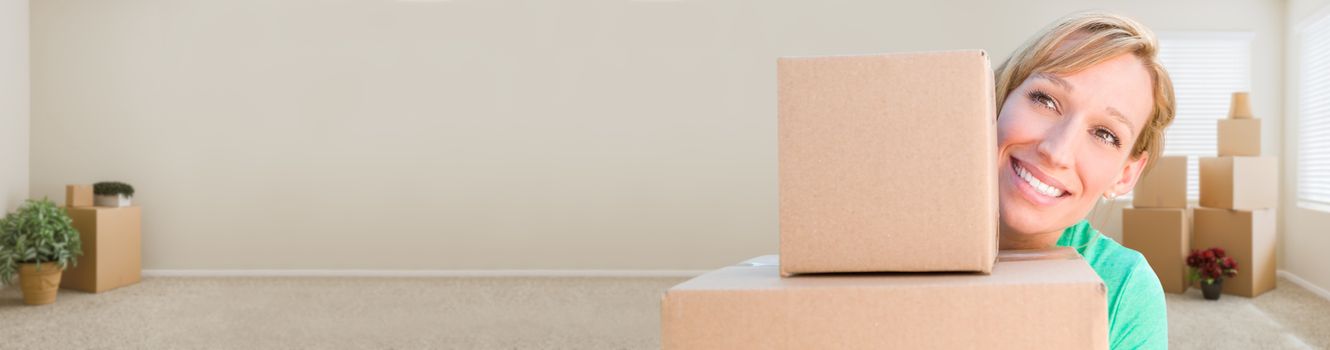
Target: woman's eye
<point>1108,137</point>
<point>1043,100</point>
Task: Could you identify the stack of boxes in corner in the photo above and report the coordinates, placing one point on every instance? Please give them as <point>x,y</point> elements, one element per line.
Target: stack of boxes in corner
<point>111,239</point>
<point>888,226</point>
<point>1237,200</point>
<point>1239,194</point>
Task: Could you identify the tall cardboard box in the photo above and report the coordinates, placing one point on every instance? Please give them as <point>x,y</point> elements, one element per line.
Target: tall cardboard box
<point>1239,137</point>
<point>1031,300</point>
<point>1246,235</point>
<point>78,196</point>
<point>887,163</point>
<point>1165,186</point>
<point>112,243</point>
<point>1162,236</point>
<point>1243,183</point>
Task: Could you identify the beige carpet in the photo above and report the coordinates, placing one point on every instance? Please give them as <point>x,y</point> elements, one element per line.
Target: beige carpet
<point>492,313</point>
<point>1289,317</point>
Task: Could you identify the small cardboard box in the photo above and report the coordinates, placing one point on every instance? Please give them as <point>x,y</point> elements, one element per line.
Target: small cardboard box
<point>1242,183</point>
<point>1165,186</point>
<point>112,243</point>
<point>1032,300</point>
<point>1162,236</point>
<point>78,196</point>
<point>1239,107</point>
<point>1246,235</point>
<point>887,163</point>
<point>1240,137</point>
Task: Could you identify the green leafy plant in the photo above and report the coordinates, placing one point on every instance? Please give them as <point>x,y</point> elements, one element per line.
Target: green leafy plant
<point>38,232</point>
<point>112,188</point>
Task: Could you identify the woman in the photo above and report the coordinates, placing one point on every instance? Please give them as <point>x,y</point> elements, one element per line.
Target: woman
<point>1082,111</point>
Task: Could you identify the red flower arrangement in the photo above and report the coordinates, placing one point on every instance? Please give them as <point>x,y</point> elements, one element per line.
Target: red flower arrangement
<point>1210,265</point>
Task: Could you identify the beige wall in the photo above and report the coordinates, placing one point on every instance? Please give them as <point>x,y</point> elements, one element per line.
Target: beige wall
<point>474,134</point>
<point>1305,231</point>
<point>13,104</point>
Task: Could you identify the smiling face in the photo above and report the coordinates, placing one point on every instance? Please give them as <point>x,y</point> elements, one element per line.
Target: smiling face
<point>1064,141</point>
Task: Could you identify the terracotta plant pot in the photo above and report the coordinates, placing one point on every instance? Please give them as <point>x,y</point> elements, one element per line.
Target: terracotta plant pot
<point>39,287</point>
<point>1212,291</point>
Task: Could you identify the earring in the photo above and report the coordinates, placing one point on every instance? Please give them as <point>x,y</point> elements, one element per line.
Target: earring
<point>1110,196</point>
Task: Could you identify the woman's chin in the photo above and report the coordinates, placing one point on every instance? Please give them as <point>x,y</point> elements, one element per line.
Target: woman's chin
<point>1025,221</point>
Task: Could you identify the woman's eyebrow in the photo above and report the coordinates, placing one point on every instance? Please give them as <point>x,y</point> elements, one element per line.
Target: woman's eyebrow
<point>1121,119</point>
<point>1056,81</point>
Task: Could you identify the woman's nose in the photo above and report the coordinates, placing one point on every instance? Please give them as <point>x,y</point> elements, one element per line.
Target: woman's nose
<point>1056,147</point>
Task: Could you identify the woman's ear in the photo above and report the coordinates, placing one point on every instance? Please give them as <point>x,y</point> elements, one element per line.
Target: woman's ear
<point>1130,173</point>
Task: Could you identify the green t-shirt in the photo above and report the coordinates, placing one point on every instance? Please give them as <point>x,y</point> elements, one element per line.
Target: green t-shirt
<point>1137,315</point>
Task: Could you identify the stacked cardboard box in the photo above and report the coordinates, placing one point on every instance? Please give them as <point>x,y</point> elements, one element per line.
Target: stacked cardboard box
<point>1239,194</point>
<point>78,196</point>
<point>111,239</point>
<point>1239,182</point>
<point>1157,225</point>
<point>1032,300</point>
<point>1240,134</point>
<point>1165,186</point>
<point>887,163</point>
<point>888,171</point>
<point>1248,236</point>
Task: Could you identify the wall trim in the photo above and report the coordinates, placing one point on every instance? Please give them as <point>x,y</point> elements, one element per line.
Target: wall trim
<point>1304,284</point>
<point>420,273</point>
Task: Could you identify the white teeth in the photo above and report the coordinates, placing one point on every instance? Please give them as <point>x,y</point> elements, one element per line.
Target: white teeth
<point>1038,186</point>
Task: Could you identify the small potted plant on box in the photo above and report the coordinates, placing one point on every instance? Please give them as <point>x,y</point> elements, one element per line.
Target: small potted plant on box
<point>37,242</point>
<point>1211,266</point>
<point>112,194</point>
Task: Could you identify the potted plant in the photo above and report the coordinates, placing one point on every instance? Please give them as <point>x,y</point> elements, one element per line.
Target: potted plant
<point>112,194</point>
<point>37,242</point>
<point>1211,266</point>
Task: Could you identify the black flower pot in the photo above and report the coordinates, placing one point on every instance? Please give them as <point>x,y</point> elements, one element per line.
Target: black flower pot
<point>1211,291</point>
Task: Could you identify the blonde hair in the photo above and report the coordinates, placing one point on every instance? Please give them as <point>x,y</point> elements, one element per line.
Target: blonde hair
<point>1094,37</point>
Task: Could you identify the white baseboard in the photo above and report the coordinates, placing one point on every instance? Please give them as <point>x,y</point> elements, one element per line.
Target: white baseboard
<point>1304,284</point>
<point>422,273</point>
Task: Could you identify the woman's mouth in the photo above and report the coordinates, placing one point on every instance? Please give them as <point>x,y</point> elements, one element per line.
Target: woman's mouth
<point>1034,186</point>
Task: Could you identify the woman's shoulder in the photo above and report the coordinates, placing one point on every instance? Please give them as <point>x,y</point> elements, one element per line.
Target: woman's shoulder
<point>1116,264</point>
<point>1110,251</point>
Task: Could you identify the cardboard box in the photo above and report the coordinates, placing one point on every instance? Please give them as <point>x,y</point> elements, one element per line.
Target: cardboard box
<point>1240,137</point>
<point>1239,107</point>
<point>112,243</point>
<point>1165,186</point>
<point>1031,300</point>
<point>1162,236</point>
<point>1246,235</point>
<point>887,163</point>
<point>78,195</point>
<point>1242,183</point>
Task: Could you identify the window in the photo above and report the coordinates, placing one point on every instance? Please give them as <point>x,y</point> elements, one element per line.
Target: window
<point>1206,68</point>
<point>1314,114</point>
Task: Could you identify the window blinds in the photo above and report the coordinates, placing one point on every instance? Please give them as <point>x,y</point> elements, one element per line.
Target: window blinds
<point>1314,114</point>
